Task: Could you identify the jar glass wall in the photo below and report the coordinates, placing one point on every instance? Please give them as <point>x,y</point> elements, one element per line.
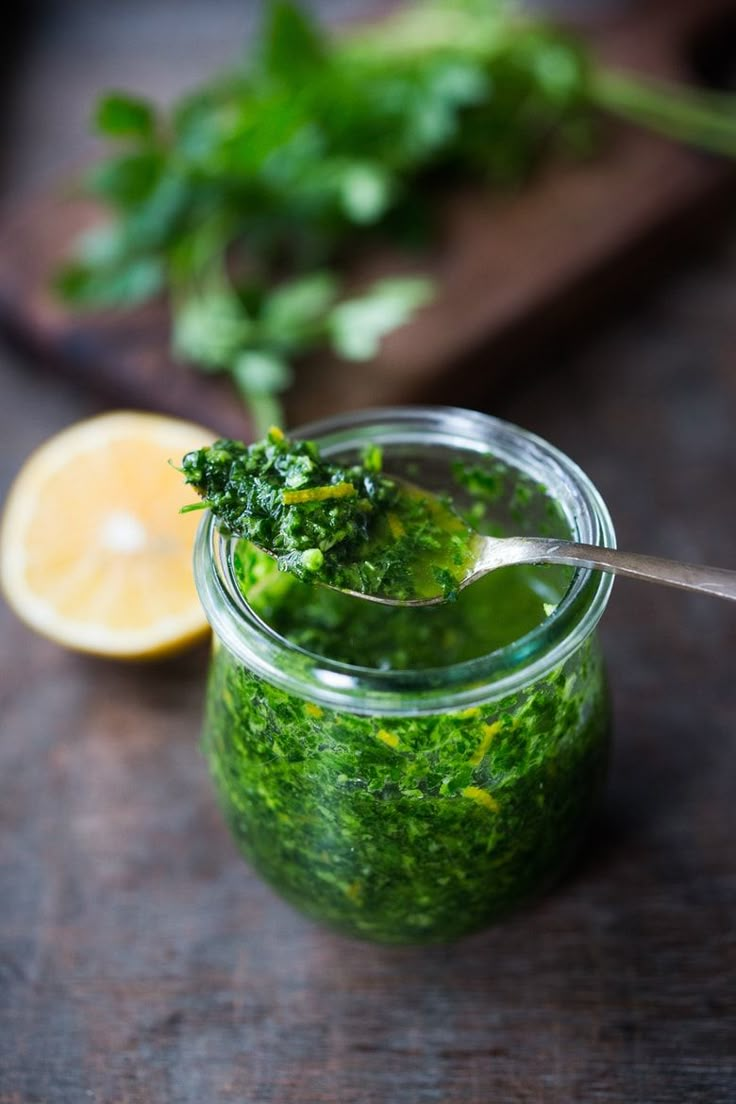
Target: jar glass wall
<point>411,780</point>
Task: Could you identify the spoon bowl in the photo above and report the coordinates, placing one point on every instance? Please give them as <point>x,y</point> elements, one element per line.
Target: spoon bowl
<point>491,553</point>
<point>486,554</point>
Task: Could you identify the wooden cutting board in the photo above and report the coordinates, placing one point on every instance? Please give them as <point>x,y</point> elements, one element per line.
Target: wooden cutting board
<point>514,272</point>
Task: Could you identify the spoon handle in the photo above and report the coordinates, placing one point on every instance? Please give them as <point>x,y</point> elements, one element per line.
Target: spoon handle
<point>717,581</point>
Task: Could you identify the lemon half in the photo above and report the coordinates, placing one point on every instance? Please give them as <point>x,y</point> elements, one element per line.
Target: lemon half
<point>94,553</point>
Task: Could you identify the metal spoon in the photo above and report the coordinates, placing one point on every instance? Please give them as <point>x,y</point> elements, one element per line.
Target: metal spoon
<point>494,552</point>
<point>490,553</point>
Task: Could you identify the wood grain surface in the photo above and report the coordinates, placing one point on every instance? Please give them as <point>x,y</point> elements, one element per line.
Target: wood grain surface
<point>512,272</point>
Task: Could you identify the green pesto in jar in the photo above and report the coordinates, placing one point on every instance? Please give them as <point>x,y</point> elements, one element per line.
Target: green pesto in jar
<point>409,829</point>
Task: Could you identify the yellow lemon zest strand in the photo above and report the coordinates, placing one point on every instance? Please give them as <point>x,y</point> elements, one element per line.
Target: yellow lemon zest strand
<point>275,433</point>
<point>489,731</point>
<point>318,494</point>
<point>312,710</point>
<point>395,525</point>
<point>388,738</point>
<point>474,711</point>
<point>481,797</point>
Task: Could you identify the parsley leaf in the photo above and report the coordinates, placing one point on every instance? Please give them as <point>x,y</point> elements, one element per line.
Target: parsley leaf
<point>358,325</point>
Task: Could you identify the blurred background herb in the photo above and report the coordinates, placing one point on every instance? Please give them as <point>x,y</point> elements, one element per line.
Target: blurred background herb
<point>244,201</point>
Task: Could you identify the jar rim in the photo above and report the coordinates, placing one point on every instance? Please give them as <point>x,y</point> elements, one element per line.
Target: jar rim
<point>337,685</point>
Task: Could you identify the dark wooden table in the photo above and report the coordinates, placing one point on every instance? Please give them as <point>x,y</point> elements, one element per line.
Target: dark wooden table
<point>141,961</point>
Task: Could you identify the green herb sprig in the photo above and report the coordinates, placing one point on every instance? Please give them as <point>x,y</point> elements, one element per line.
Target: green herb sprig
<point>243,202</point>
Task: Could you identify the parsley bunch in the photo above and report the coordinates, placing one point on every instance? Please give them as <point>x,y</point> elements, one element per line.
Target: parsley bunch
<point>243,202</point>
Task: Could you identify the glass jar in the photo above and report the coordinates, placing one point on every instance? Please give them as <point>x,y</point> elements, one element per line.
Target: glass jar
<point>417,805</point>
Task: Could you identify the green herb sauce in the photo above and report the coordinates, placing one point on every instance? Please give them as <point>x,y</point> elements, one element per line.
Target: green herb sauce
<point>408,829</point>
<point>347,526</point>
<point>411,829</point>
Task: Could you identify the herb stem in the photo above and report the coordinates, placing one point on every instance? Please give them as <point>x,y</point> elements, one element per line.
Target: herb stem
<point>700,118</point>
<point>415,32</point>
<point>266,410</point>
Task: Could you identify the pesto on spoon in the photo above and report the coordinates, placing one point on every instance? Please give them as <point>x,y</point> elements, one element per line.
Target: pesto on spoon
<point>360,531</point>
<point>350,527</point>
